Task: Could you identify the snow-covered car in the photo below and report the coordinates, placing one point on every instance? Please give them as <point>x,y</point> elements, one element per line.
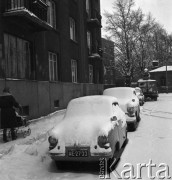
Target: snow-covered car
<point>129,103</point>
<point>93,127</point>
<point>140,96</point>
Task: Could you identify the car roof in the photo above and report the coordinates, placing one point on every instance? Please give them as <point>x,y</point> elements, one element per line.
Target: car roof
<point>127,88</point>
<point>95,98</point>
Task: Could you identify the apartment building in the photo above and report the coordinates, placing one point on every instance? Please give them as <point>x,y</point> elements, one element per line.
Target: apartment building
<point>50,52</point>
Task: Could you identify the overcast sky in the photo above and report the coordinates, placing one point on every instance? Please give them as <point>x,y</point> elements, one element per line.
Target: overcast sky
<point>161,10</point>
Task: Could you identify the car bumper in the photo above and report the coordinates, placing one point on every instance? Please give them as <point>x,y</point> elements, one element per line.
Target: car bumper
<point>151,95</point>
<point>130,120</point>
<point>90,158</point>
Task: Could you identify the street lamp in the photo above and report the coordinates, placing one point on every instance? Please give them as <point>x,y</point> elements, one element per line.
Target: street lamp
<point>166,72</point>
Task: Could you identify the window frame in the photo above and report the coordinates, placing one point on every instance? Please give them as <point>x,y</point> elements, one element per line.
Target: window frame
<point>91,73</point>
<point>53,66</point>
<point>51,13</point>
<point>17,53</point>
<point>89,41</point>
<point>74,70</point>
<point>72,24</point>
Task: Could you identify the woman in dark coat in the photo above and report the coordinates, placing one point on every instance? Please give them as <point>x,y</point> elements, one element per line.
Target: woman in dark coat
<point>8,115</point>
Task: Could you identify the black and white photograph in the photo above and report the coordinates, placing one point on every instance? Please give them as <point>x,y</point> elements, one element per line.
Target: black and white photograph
<point>85,89</point>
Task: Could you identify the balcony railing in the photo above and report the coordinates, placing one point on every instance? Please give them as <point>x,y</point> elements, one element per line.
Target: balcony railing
<point>34,7</point>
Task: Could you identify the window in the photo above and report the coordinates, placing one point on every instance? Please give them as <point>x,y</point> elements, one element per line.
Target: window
<point>88,10</point>
<point>56,103</point>
<point>74,70</point>
<point>90,73</point>
<point>51,13</point>
<point>53,73</point>
<point>89,41</point>
<point>17,56</point>
<point>163,81</point>
<point>72,29</point>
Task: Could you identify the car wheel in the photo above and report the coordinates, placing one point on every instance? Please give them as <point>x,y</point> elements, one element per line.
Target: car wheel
<point>134,126</point>
<point>112,162</point>
<point>126,139</point>
<point>155,98</point>
<point>138,117</point>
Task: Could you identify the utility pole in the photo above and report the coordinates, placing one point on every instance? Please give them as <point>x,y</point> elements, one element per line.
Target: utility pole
<point>166,77</point>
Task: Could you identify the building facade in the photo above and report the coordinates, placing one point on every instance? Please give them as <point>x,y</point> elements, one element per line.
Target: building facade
<point>108,61</point>
<point>50,52</point>
<point>163,76</point>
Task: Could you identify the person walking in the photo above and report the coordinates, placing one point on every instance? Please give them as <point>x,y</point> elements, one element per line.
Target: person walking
<point>8,114</point>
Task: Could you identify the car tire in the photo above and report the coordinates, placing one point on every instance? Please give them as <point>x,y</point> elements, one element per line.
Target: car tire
<point>134,125</point>
<point>110,161</point>
<point>138,117</point>
<point>126,139</point>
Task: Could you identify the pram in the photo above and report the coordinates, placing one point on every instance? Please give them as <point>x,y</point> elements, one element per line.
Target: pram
<point>22,126</point>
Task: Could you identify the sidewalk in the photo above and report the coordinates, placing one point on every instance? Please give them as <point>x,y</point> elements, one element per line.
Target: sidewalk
<point>41,118</point>
<point>39,131</point>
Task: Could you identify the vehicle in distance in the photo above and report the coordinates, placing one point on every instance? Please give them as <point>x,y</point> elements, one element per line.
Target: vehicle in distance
<point>140,96</point>
<point>129,103</point>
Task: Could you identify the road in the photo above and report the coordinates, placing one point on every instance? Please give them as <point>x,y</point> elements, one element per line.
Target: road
<point>151,143</point>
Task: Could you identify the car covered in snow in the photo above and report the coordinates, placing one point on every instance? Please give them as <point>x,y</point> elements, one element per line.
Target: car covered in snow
<point>129,103</point>
<point>140,96</point>
<point>93,127</point>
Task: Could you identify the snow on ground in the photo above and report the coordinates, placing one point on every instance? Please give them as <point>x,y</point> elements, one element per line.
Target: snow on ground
<point>152,140</point>
<point>27,158</point>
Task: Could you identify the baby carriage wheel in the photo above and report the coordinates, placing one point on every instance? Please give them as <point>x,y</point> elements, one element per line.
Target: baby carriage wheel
<point>9,134</point>
<point>24,134</point>
<point>28,132</point>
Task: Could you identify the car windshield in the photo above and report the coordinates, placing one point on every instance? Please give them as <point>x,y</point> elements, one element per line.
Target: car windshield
<point>83,108</point>
<point>120,93</point>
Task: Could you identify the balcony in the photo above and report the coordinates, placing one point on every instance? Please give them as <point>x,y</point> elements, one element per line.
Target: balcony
<point>33,12</point>
<point>94,53</point>
<point>95,20</point>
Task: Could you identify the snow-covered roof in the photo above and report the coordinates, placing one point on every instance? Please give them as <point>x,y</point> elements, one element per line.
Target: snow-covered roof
<point>162,69</point>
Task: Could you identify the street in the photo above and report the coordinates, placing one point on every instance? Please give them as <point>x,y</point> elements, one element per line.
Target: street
<point>149,146</point>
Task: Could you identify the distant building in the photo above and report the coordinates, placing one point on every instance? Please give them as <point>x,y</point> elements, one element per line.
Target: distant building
<point>108,61</point>
<point>50,52</point>
<point>159,75</point>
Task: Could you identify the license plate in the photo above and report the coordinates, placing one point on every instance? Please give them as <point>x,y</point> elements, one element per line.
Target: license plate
<point>78,152</point>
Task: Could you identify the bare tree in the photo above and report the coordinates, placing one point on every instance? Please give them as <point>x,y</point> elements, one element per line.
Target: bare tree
<point>137,37</point>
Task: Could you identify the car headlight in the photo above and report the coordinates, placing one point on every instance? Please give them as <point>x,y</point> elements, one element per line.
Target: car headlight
<point>103,142</point>
<point>53,142</point>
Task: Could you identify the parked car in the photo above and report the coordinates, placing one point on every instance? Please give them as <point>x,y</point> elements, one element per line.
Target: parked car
<point>129,103</point>
<point>93,127</point>
<point>149,88</point>
<point>140,96</point>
